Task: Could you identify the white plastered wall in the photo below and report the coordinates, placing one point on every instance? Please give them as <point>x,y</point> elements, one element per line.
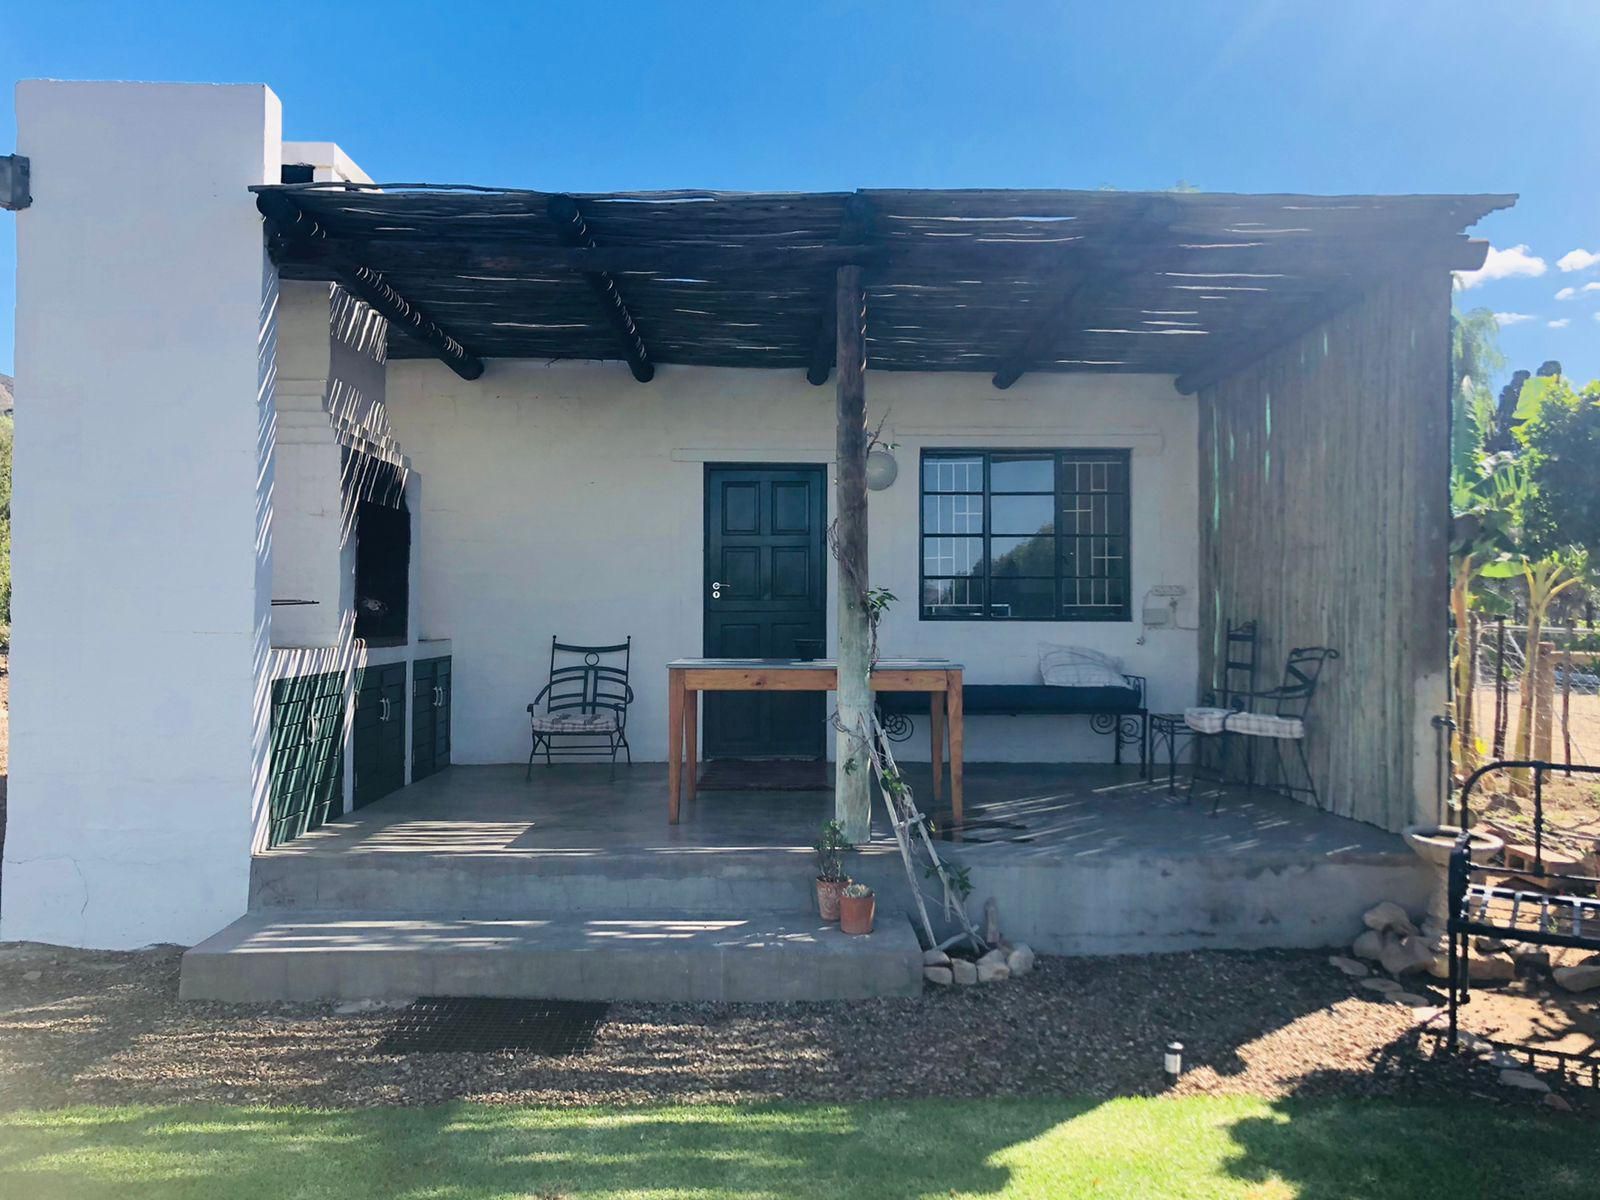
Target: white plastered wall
<point>142,510</point>
<point>567,499</point>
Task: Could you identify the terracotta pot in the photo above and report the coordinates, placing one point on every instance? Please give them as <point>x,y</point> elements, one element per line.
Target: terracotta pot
<point>855,913</point>
<point>828,897</point>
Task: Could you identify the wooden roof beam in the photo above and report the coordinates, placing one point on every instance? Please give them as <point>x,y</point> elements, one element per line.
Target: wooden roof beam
<point>1243,352</point>
<point>293,225</point>
<point>855,226</point>
<point>1459,254</point>
<point>574,231</point>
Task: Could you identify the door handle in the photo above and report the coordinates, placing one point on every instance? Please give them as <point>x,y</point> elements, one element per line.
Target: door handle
<point>716,590</point>
<point>438,696</point>
<point>383,708</point>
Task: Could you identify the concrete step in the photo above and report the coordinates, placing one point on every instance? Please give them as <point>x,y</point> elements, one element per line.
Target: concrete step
<point>554,884</point>
<point>267,956</point>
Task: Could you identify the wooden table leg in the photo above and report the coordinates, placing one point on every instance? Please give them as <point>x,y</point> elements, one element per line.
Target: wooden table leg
<point>936,740</point>
<point>675,695</point>
<point>691,741</point>
<point>957,744</point>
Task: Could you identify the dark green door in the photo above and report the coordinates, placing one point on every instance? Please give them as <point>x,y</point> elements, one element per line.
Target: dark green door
<point>380,733</point>
<point>765,588</point>
<point>430,717</point>
<point>307,754</point>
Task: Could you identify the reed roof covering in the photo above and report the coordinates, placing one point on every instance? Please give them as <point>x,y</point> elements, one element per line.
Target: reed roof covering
<point>1003,282</point>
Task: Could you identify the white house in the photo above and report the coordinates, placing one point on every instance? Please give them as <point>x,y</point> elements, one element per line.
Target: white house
<point>280,446</point>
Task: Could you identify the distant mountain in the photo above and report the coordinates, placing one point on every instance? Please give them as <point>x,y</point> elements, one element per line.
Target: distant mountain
<point>6,394</point>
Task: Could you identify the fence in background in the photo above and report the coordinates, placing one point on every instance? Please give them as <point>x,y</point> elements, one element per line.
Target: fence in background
<point>1563,703</point>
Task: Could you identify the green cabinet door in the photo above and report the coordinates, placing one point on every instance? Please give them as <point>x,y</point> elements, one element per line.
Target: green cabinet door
<point>307,754</point>
<point>430,716</point>
<point>380,732</point>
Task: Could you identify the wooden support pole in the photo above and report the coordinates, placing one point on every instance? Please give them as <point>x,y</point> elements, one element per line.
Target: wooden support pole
<point>852,794</point>
<point>855,226</point>
<point>574,231</point>
<point>296,228</point>
<point>1044,334</point>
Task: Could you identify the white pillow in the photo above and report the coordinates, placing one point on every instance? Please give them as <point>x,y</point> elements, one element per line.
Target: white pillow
<point>1078,666</point>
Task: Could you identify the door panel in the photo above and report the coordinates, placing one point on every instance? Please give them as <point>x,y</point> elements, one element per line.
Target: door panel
<point>380,733</point>
<point>765,588</point>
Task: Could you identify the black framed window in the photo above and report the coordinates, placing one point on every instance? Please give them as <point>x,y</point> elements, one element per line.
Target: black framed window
<point>1025,535</point>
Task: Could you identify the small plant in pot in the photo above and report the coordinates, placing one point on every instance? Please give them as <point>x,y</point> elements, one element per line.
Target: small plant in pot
<point>856,907</point>
<point>831,879</point>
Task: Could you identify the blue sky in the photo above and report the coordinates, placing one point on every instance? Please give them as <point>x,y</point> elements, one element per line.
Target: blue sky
<point>1429,96</point>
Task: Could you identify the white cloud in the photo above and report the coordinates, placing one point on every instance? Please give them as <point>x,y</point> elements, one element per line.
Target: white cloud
<point>1504,319</point>
<point>1576,260</point>
<point>1567,294</point>
<point>1504,264</point>
<point>1562,323</point>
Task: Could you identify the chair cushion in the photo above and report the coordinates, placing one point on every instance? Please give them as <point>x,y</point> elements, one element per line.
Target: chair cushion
<point>1078,667</point>
<point>572,720</point>
<point>1225,720</point>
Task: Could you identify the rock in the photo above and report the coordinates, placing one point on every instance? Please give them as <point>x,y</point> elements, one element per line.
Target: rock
<point>32,976</point>
<point>1369,945</point>
<point>1389,917</point>
<point>992,972</point>
<point>1401,954</point>
<point>991,921</point>
<point>1381,985</point>
<point>1559,1103</point>
<point>1349,966</point>
<point>1504,1061</point>
<point>1411,999</point>
<point>1583,978</point>
<point>995,957</point>
<point>963,972</point>
<point>1474,1043</point>
<point>1531,960</point>
<point>1490,945</point>
<point>1490,968</point>
<point>1020,960</point>
<point>935,958</point>
<point>1524,1080</point>
<point>943,976</point>
<point>350,1007</point>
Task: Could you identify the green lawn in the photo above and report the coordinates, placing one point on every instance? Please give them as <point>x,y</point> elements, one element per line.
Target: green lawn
<point>1057,1148</point>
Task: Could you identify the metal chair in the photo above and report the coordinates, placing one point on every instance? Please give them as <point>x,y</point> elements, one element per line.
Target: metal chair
<point>587,698</point>
<point>1290,702</point>
<point>1238,679</point>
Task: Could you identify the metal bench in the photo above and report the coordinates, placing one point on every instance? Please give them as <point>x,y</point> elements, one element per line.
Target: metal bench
<point>1118,711</point>
<point>1565,912</point>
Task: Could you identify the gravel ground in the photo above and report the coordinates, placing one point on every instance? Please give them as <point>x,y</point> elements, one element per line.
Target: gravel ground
<point>95,1027</point>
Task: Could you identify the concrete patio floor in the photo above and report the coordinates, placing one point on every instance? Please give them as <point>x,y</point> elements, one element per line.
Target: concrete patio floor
<point>1062,812</point>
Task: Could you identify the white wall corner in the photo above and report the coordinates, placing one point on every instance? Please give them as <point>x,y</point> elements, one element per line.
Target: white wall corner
<point>142,509</point>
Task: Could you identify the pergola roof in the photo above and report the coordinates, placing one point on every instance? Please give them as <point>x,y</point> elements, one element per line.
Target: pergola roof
<point>1005,282</point>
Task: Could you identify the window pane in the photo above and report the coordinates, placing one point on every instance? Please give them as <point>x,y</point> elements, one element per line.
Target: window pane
<point>1024,556</point>
<point>952,514</point>
<point>952,556</point>
<point>1032,474</point>
<point>952,474</point>
<point>952,597</point>
<point>1022,514</point>
<point>1023,599</point>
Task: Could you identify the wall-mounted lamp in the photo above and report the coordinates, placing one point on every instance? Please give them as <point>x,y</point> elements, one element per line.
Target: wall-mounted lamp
<point>882,470</point>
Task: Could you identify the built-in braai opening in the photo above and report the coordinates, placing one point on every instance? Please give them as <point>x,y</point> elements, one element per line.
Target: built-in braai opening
<point>383,572</point>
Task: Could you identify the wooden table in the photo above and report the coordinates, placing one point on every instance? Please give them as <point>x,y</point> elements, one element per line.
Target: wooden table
<point>688,677</point>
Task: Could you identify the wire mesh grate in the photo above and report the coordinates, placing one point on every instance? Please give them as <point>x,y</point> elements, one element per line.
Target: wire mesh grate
<point>478,1025</point>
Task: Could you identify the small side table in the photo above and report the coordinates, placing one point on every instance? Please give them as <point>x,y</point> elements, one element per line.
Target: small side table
<point>1168,727</point>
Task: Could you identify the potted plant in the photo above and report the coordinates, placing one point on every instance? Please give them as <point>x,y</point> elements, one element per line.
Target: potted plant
<point>830,848</point>
<point>856,907</point>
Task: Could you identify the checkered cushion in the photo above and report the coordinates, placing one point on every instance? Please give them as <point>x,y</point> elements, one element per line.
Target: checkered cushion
<point>1225,720</point>
<point>571,720</point>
